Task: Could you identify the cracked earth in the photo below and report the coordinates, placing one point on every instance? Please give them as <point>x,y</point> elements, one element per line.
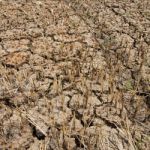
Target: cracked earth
<point>74,75</point>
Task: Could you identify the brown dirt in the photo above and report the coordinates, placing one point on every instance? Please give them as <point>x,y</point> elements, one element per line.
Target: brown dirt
<point>74,75</point>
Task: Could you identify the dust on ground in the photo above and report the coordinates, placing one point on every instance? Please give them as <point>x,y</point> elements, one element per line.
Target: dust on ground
<point>74,74</point>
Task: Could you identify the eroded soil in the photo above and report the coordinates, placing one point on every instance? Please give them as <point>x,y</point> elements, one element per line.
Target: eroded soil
<point>74,74</point>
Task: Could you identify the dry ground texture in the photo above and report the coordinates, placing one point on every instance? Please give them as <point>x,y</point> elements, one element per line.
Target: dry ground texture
<point>74,74</point>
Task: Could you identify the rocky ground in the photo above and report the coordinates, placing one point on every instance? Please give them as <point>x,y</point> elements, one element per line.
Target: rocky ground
<point>74,75</point>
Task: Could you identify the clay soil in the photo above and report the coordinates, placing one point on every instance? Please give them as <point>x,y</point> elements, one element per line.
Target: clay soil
<point>74,74</point>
